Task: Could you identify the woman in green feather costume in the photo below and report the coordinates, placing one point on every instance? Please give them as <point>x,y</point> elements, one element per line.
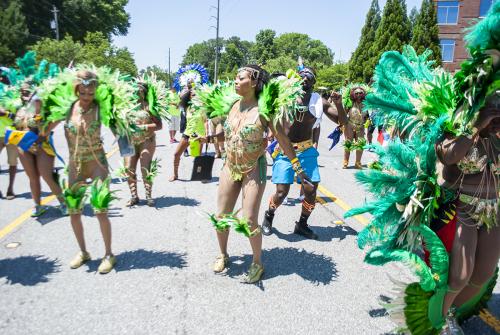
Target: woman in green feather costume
<point>252,107</point>
<point>147,118</point>
<point>22,100</point>
<point>354,131</point>
<point>85,102</point>
<point>440,185</point>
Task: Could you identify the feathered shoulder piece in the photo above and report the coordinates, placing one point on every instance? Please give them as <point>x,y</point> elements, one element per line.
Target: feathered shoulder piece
<point>27,71</point>
<point>277,101</point>
<point>157,95</point>
<point>115,95</point>
<point>215,100</point>
<point>478,78</point>
<point>10,98</point>
<point>348,90</point>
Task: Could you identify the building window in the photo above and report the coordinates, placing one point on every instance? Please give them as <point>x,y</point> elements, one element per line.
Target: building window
<point>447,12</point>
<point>447,50</point>
<point>484,7</point>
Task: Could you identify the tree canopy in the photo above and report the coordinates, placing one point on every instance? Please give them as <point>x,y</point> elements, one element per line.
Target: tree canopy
<point>95,49</point>
<point>426,31</point>
<point>26,22</point>
<point>359,70</point>
<point>275,53</point>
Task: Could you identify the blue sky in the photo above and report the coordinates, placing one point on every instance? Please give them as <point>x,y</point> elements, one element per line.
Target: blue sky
<point>157,25</point>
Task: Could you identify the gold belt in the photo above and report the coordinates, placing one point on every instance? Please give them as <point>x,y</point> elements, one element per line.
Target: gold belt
<point>302,146</point>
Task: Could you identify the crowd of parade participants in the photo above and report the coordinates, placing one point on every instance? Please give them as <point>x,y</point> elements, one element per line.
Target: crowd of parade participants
<point>434,184</point>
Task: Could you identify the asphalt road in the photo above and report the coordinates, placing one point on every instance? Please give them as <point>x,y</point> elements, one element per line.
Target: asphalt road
<point>163,283</point>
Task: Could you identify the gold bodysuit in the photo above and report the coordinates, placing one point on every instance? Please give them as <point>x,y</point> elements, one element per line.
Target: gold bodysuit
<point>142,117</point>
<point>85,143</point>
<point>245,144</point>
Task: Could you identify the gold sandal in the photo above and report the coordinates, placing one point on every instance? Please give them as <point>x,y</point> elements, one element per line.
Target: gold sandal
<point>221,263</point>
<point>254,274</point>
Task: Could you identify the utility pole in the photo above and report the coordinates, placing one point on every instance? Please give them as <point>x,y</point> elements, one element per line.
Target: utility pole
<point>169,73</point>
<point>55,11</point>
<point>217,48</point>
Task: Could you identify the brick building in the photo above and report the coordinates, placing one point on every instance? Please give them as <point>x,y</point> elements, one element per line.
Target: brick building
<point>453,17</point>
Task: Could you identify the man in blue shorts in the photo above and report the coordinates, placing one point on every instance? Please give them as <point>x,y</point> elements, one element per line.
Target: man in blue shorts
<point>311,107</point>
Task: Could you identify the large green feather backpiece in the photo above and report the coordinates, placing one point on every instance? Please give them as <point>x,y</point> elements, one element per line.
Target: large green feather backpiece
<point>426,103</point>
<point>158,97</point>
<point>215,100</point>
<point>396,75</point>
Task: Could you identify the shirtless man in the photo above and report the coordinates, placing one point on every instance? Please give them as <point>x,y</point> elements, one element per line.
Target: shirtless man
<point>300,132</point>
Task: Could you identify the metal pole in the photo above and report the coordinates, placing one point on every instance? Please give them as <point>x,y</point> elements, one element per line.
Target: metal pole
<point>55,11</point>
<point>217,45</point>
<point>169,73</point>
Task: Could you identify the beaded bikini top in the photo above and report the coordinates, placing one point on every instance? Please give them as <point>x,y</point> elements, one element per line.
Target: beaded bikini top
<point>245,143</point>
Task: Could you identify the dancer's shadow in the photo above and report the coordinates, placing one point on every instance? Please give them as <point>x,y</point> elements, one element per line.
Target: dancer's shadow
<point>118,180</point>
<point>314,268</point>
<point>52,214</point>
<point>28,270</point>
<point>325,234</point>
<point>142,259</point>
<point>164,202</point>
<point>113,212</point>
<point>210,181</point>
<point>27,195</point>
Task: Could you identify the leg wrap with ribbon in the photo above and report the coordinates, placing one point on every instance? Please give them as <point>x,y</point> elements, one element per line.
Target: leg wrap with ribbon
<point>308,207</point>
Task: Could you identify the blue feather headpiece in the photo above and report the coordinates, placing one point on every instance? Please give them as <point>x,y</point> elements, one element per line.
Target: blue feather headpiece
<point>195,72</point>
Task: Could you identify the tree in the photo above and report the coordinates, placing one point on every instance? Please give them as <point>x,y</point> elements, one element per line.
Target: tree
<point>358,71</point>
<point>159,72</point>
<point>264,49</point>
<point>13,31</point>
<point>76,18</point>
<point>425,32</point>
<point>314,52</point>
<point>392,33</point>
<point>96,49</point>
<point>333,77</point>
<point>202,53</point>
<point>236,53</point>
<point>61,52</point>
<point>280,64</point>
<point>413,18</point>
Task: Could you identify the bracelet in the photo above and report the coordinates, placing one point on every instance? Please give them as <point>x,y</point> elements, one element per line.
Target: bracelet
<point>299,170</point>
<point>296,167</point>
<point>295,160</point>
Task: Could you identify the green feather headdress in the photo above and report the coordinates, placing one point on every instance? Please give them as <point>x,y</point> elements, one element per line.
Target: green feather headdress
<point>346,93</point>
<point>115,96</point>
